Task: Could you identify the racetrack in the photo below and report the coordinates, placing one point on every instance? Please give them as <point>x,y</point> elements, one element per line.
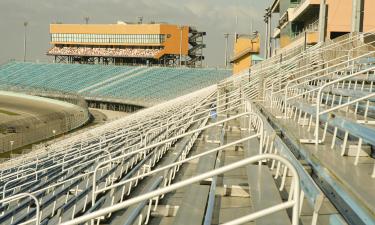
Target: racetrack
<point>26,119</point>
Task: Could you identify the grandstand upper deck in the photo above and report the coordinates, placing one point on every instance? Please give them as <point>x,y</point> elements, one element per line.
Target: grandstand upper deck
<point>122,43</point>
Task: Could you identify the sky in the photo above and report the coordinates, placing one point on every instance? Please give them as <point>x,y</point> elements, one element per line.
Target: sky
<point>216,17</point>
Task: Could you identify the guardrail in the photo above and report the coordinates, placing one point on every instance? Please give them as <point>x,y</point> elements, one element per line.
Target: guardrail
<point>292,203</point>
<point>24,195</point>
<point>144,149</point>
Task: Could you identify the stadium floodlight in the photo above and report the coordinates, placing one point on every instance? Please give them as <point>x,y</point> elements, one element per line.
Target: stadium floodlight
<point>181,28</point>
<point>226,36</point>
<point>140,19</point>
<point>24,41</point>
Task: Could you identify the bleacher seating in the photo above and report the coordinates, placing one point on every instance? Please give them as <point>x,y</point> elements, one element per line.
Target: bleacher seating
<point>80,176</point>
<point>321,100</point>
<point>110,52</point>
<point>243,151</point>
<point>148,85</point>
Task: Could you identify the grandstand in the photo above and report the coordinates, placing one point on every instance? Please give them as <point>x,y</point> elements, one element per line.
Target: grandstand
<point>141,86</point>
<point>127,44</point>
<point>290,142</point>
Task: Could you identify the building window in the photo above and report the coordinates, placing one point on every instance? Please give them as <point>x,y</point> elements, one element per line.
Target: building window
<point>110,38</point>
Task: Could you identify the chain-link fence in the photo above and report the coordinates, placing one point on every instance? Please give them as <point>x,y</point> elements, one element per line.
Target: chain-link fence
<point>31,129</point>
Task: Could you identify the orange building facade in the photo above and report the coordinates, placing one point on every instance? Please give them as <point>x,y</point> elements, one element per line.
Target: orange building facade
<point>121,43</point>
<point>245,47</point>
<point>298,22</point>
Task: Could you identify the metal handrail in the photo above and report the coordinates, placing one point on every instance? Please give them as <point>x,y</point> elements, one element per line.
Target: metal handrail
<point>93,152</point>
<point>285,90</point>
<point>318,99</point>
<point>91,146</point>
<point>329,46</point>
<point>19,178</point>
<point>35,173</point>
<point>23,195</point>
<point>257,135</point>
<point>333,66</point>
<point>292,203</point>
<point>307,67</point>
<point>183,98</point>
<point>16,173</point>
<point>88,173</point>
<point>143,150</point>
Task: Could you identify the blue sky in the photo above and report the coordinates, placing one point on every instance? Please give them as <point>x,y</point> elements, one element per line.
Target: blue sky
<point>216,17</point>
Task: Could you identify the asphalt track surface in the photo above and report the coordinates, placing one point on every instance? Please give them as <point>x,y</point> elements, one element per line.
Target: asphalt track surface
<point>26,119</point>
<point>25,108</point>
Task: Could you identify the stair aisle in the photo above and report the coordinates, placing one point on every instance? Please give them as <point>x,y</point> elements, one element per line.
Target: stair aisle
<point>232,199</point>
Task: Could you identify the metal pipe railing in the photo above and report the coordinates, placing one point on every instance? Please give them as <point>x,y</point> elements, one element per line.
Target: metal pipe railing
<point>24,195</point>
<point>292,203</point>
<point>143,150</point>
<point>91,172</point>
<point>91,146</point>
<point>318,99</point>
<point>171,165</point>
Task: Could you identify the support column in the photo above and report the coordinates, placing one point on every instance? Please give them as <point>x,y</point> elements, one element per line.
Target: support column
<point>269,35</point>
<point>357,15</point>
<point>322,20</point>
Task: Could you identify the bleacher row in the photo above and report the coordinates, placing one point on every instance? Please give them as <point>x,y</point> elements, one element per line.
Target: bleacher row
<point>241,152</point>
<point>134,156</point>
<point>111,52</point>
<point>321,100</point>
<point>145,85</point>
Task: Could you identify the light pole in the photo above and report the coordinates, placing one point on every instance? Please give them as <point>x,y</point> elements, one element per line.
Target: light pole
<point>267,20</point>
<point>181,28</point>
<point>87,19</point>
<point>226,36</point>
<point>24,41</point>
<point>269,40</point>
<point>54,135</point>
<point>266,37</point>
<point>140,19</point>
<point>11,148</point>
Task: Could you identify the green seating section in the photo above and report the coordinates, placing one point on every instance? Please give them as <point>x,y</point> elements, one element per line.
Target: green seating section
<point>147,84</point>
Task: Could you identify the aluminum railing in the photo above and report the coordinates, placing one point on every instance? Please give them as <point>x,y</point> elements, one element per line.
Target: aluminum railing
<point>21,196</point>
<point>98,135</point>
<point>100,130</point>
<point>291,203</point>
<point>259,134</point>
<point>106,140</point>
<point>123,153</point>
<point>336,85</point>
<point>231,105</point>
<point>87,174</point>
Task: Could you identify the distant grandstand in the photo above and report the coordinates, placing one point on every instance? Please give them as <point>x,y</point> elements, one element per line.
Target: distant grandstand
<point>141,86</point>
<point>127,44</point>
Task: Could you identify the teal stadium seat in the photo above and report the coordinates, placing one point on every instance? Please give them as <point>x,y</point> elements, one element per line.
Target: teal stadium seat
<point>147,84</point>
